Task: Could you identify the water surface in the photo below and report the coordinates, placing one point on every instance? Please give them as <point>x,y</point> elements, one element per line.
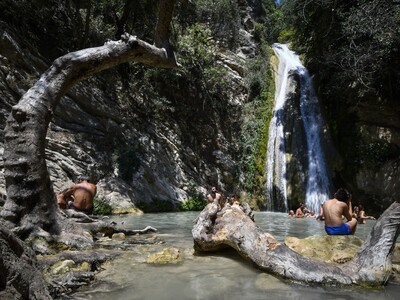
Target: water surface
<point>213,276</point>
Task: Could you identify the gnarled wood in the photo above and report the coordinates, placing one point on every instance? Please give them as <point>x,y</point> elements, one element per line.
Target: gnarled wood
<point>19,274</point>
<point>232,227</point>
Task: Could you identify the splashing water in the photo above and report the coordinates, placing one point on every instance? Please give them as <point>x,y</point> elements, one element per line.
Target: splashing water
<point>318,180</point>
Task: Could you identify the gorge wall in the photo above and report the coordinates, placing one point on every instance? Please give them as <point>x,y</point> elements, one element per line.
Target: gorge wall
<point>138,149</point>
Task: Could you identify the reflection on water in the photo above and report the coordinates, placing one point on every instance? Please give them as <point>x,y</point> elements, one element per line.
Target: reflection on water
<point>213,276</point>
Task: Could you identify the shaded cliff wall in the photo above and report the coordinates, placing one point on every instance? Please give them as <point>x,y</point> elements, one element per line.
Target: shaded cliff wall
<point>137,146</point>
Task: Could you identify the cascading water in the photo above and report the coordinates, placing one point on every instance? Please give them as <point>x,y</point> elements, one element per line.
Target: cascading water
<point>317,180</point>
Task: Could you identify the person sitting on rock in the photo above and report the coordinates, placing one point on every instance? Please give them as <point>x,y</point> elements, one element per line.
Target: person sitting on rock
<point>233,201</point>
<point>216,197</point>
<point>334,209</point>
<point>83,194</point>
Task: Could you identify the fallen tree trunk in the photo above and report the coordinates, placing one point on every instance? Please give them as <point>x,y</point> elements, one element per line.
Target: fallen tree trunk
<point>231,227</point>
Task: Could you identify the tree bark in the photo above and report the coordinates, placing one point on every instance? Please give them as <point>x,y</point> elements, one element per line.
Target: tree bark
<point>19,274</point>
<point>232,227</point>
<point>161,38</point>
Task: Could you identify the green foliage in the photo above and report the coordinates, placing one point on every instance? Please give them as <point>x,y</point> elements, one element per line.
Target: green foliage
<point>196,201</point>
<point>198,53</point>
<point>272,19</point>
<point>257,115</point>
<point>351,44</point>
<point>101,207</point>
<point>193,204</point>
<point>223,19</point>
<point>375,153</point>
<point>127,160</point>
<point>286,35</point>
<point>197,47</point>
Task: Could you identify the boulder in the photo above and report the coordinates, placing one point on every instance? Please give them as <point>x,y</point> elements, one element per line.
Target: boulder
<point>337,249</point>
<point>166,256</point>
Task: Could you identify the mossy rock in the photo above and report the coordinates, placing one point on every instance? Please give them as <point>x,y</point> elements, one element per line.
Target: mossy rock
<point>331,249</point>
<point>67,265</point>
<point>337,249</point>
<point>166,256</point>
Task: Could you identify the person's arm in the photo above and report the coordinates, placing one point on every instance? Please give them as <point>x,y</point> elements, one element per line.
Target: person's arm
<point>209,198</point>
<point>347,211</point>
<point>69,192</point>
<point>350,207</point>
<point>363,216</point>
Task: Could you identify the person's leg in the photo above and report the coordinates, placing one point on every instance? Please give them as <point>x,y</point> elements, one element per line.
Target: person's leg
<point>353,225</point>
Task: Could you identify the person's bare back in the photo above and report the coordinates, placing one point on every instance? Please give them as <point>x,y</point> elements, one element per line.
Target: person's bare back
<point>83,194</point>
<point>334,210</point>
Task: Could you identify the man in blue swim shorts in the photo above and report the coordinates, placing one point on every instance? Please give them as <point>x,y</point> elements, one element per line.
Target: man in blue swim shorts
<point>334,209</point>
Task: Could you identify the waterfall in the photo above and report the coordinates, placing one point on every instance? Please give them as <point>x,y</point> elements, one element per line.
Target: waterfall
<point>316,176</point>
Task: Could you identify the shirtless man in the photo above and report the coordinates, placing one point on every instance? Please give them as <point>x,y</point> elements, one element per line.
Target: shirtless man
<point>214,196</point>
<point>334,209</point>
<point>83,194</point>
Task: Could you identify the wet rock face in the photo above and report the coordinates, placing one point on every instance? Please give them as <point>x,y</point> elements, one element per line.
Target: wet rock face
<point>166,256</point>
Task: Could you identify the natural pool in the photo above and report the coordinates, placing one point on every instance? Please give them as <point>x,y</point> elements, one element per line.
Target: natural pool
<point>213,276</point>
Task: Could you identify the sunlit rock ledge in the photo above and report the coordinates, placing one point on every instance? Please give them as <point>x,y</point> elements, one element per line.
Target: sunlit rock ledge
<point>336,249</point>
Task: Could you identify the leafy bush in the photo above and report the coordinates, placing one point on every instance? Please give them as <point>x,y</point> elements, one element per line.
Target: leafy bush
<point>101,207</point>
<point>127,161</point>
<point>257,114</point>
<point>223,17</point>
<point>193,204</point>
<point>196,200</point>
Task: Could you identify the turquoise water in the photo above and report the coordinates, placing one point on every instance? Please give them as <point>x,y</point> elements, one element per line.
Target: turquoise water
<point>213,276</point>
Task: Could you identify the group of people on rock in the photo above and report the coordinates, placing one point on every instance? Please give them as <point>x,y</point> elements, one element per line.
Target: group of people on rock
<point>80,196</point>
<point>232,201</point>
<point>215,196</point>
<point>333,212</point>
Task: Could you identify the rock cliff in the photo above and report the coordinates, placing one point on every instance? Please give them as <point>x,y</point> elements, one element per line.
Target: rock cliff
<point>108,129</point>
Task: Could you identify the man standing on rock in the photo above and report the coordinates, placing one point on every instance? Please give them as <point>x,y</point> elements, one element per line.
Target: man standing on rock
<point>334,209</point>
<point>83,194</point>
